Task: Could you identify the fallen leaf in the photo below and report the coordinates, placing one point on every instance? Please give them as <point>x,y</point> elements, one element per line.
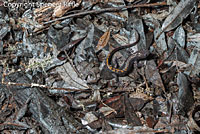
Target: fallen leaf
<point>103,41</point>
<point>194,60</point>
<point>185,94</point>
<point>120,39</point>
<point>180,12</point>
<point>116,103</point>
<point>71,77</point>
<point>193,123</point>
<point>106,111</point>
<point>130,114</point>
<point>64,6</point>
<point>194,38</point>
<point>123,14</point>
<point>179,36</point>
<point>140,96</point>
<point>89,118</point>
<point>179,64</point>
<point>153,75</point>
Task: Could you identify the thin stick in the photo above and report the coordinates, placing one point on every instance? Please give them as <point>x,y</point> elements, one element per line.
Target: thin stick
<point>113,9</point>
<point>42,86</point>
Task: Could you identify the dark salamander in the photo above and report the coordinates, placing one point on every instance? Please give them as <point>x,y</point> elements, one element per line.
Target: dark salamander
<point>127,66</point>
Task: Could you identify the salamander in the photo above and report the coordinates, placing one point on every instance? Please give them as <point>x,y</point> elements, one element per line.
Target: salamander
<point>126,68</point>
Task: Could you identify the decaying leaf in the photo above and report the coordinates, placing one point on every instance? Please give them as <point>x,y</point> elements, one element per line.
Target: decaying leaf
<point>179,36</point>
<point>194,37</point>
<point>61,52</point>
<point>116,104</point>
<point>153,76</point>
<point>129,113</point>
<point>180,12</point>
<point>70,77</point>
<point>135,130</point>
<point>103,40</point>
<point>89,117</point>
<point>106,111</point>
<point>194,60</point>
<point>158,16</point>
<point>185,95</point>
<point>176,52</point>
<point>161,44</point>
<point>193,122</point>
<point>120,39</point>
<point>55,9</point>
<point>123,14</point>
<point>179,64</point>
<point>141,96</point>
<point>64,6</point>
<point>96,96</point>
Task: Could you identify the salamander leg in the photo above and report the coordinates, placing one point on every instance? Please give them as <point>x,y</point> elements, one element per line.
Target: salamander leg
<point>116,64</point>
<point>118,82</point>
<point>139,65</point>
<point>116,77</point>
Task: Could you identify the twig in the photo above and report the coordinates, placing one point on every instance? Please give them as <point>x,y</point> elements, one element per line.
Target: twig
<point>113,9</point>
<point>145,80</point>
<point>113,110</point>
<point>41,86</point>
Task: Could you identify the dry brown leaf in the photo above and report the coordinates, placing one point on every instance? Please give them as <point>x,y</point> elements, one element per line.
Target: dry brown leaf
<point>103,41</point>
<point>56,9</point>
<point>64,6</point>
